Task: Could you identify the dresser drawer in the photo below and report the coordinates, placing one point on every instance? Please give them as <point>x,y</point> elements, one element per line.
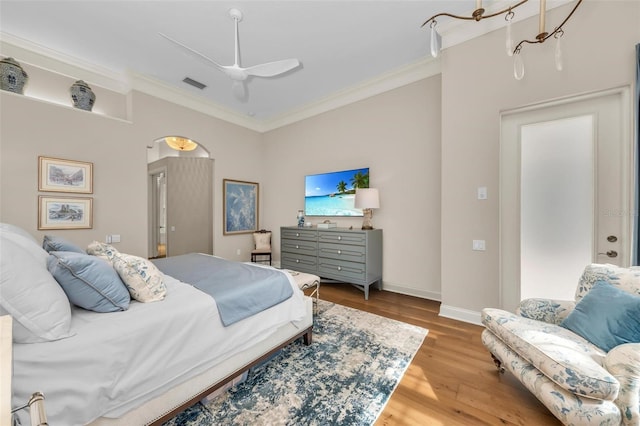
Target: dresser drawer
<point>351,272</point>
<point>351,253</point>
<point>356,238</point>
<point>299,262</point>
<point>299,234</point>
<point>299,247</point>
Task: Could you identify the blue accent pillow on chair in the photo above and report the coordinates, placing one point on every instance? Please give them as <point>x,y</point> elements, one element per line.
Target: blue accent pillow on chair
<point>606,316</point>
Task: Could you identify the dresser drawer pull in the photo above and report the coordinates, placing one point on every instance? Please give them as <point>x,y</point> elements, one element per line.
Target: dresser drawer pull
<point>297,260</point>
<point>297,234</point>
<point>339,237</point>
<point>339,268</point>
<point>339,251</point>
<point>297,246</point>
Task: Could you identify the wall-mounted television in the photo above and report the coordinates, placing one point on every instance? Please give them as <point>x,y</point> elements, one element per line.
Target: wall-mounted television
<point>333,194</point>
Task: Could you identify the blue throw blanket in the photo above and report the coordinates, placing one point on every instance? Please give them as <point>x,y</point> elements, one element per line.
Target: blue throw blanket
<point>239,289</point>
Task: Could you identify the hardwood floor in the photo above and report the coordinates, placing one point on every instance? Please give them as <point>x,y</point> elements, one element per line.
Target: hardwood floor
<point>452,380</point>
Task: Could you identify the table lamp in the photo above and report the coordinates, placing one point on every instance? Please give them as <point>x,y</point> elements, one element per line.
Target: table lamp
<point>367,199</point>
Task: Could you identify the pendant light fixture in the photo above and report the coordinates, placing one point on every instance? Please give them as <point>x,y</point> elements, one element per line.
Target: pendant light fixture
<point>180,143</point>
<point>518,64</point>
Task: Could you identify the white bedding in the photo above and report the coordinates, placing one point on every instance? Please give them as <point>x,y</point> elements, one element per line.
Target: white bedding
<point>117,361</point>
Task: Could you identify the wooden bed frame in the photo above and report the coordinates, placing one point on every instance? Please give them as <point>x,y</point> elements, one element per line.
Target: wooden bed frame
<point>180,397</point>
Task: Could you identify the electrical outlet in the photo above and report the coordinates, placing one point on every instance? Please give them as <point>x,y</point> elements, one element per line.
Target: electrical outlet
<point>107,239</point>
<point>115,238</point>
<point>238,252</point>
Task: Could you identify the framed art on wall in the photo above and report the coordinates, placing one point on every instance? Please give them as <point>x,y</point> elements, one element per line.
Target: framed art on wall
<point>240,205</point>
<point>65,212</point>
<point>58,175</point>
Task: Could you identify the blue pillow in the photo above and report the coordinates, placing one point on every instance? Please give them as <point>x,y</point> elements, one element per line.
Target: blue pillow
<point>89,282</point>
<point>606,316</point>
<point>51,243</point>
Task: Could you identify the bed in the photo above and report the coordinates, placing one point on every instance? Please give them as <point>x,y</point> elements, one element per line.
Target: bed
<point>144,364</point>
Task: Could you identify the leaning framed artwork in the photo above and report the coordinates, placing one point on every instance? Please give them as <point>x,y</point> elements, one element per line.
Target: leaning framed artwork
<point>58,175</point>
<point>240,205</point>
<point>65,212</point>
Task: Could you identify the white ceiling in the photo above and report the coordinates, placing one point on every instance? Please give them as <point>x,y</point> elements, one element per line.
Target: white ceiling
<point>341,44</point>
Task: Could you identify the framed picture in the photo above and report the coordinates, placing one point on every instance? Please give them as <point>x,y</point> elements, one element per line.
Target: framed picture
<point>57,175</point>
<point>240,205</point>
<point>65,212</point>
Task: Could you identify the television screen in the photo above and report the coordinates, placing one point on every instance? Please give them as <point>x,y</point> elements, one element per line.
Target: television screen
<point>333,194</point>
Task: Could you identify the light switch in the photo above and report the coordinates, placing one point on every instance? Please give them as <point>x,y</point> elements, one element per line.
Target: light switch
<point>115,238</point>
<point>479,245</point>
<point>482,193</point>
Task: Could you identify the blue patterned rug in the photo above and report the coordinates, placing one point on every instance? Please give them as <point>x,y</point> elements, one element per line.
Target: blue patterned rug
<point>345,377</point>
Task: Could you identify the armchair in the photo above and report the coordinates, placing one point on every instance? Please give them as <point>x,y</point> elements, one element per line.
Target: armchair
<point>580,358</point>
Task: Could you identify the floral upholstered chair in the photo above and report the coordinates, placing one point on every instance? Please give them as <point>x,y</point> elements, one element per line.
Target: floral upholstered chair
<point>580,358</point>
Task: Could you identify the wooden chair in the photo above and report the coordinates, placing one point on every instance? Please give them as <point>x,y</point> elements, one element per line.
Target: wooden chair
<point>262,247</point>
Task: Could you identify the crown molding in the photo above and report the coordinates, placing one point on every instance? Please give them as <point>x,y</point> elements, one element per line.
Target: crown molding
<point>159,89</point>
<point>60,63</point>
<point>424,68</point>
<point>54,61</point>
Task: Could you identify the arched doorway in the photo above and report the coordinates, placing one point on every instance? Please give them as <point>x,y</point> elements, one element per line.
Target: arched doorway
<point>180,194</point>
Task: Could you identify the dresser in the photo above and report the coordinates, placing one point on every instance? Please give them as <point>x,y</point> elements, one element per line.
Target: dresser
<point>338,254</point>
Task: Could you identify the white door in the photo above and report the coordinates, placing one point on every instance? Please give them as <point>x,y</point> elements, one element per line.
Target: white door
<point>565,193</point>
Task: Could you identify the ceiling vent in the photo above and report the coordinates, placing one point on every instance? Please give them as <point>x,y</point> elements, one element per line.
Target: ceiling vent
<point>194,83</point>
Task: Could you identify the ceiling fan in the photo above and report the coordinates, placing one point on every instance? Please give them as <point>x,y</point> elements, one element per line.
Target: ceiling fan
<point>237,73</point>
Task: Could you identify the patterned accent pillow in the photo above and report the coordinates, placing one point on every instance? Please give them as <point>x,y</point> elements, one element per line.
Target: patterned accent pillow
<point>143,279</point>
<point>102,250</point>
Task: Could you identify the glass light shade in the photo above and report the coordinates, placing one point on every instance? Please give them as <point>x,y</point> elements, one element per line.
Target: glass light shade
<point>436,42</point>
<point>558,54</point>
<point>518,67</point>
<point>180,143</point>
<point>509,40</point>
<point>367,198</point>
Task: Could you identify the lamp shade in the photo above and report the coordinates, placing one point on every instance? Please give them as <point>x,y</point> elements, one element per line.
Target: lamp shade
<point>367,198</point>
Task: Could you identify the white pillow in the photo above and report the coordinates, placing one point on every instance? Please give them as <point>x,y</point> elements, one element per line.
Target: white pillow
<point>26,242</point>
<point>17,230</point>
<point>143,279</point>
<point>28,292</point>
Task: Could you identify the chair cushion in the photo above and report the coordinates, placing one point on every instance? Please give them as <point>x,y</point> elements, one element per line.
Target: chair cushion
<point>564,357</point>
<point>262,240</point>
<point>627,279</point>
<point>606,316</point>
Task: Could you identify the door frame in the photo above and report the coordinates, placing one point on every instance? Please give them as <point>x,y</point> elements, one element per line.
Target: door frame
<point>509,189</point>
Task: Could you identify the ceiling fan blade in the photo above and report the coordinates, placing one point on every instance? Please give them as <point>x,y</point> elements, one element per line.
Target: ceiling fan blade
<point>194,52</point>
<point>239,89</point>
<point>271,69</point>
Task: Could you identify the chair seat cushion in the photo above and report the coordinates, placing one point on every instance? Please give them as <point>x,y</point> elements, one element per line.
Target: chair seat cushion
<point>564,357</point>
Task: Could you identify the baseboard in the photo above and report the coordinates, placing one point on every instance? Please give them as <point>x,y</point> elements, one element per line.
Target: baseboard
<point>460,314</point>
<point>431,295</point>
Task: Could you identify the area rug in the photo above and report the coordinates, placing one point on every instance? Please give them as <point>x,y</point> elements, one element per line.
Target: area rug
<point>345,377</point>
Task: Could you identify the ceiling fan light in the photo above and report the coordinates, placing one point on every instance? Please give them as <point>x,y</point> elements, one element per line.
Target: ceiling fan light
<point>180,143</point>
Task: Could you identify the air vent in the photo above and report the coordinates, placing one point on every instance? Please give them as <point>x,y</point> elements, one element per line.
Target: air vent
<point>194,83</point>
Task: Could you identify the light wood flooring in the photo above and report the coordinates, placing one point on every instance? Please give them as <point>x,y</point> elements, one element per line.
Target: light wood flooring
<point>452,380</point>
